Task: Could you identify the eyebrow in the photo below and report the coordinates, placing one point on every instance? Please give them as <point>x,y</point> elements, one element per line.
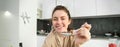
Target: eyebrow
<point>54,17</point>
<point>63,16</point>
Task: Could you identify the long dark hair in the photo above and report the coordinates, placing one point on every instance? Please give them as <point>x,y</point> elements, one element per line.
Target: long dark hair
<point>60,7</point>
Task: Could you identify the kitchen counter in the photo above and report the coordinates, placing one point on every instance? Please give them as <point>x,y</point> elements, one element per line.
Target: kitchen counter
<point>102,41</point>
<point>93,37</point>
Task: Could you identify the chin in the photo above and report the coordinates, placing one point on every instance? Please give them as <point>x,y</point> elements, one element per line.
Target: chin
<point>59,31</point>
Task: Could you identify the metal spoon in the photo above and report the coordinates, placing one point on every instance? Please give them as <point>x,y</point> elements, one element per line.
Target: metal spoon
<point>67,34</point>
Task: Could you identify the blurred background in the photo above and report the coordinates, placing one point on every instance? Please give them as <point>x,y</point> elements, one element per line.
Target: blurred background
<point>26,23</point>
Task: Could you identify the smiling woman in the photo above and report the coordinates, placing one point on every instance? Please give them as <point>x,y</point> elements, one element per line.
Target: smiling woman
<point>60,21</point>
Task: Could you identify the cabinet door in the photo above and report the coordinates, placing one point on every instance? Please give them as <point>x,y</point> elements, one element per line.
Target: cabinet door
<point>101,42</point>
<point>48,6</point>
<point>108,7</point>
<point>69,4</point>
<point>84,8</point>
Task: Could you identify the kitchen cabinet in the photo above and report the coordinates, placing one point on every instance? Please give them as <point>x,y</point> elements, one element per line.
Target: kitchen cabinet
<point>47,7</point>
<point>108,7</point>
<point>69,4</point>
<point>79,8</point>
<point>84,8</point>
<point>40,40</point>
<point>101,42</point>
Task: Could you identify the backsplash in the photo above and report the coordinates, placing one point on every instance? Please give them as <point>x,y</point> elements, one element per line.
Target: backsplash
<point>100,26</point>
<point>43,25</point>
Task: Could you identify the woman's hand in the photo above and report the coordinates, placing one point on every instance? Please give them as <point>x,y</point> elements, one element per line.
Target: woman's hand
<point>83,34</point>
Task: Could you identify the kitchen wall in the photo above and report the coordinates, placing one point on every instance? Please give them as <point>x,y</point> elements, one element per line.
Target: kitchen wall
<point>9,23</point>
<point>42,24</point>
<point>100,25</point>
<point>18,23</point>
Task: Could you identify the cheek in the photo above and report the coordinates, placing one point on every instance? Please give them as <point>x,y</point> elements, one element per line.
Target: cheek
<point>66,24</point>
<point>53,23</point>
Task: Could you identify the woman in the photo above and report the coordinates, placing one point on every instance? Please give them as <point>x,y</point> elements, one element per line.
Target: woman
<point>60,21</point>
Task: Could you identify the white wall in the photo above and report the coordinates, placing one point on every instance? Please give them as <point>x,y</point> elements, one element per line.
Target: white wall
<point>28,30</point>
<point>9,25</point>
<point>12,29</point>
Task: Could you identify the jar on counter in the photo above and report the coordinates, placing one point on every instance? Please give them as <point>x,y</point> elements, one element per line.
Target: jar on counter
<point>118,43</point>
<point>112,42</point>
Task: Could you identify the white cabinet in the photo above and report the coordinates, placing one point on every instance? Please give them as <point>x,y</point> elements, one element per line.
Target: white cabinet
<point>96,7</point>
<point>96,43</point>
<point>69,4</point>
<point>79,8</point>
<point>84,8</point>
<point>40,40</point>
<point>47,7</point>
<point>108,7</point>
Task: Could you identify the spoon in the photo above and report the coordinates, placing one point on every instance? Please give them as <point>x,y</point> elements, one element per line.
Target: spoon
<point>67,34</point>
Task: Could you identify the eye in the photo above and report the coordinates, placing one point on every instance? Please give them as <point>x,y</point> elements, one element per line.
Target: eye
<point>62,18</point>
<point>55,19</point>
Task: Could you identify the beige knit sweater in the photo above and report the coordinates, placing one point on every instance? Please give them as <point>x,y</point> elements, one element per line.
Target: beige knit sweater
<point>54,39</point>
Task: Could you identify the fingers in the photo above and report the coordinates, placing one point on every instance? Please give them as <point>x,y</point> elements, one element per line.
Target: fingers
<point>83,33</point>
<point>86,25</point>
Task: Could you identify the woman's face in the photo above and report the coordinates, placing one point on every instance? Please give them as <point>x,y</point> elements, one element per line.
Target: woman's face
<point>60,21</point>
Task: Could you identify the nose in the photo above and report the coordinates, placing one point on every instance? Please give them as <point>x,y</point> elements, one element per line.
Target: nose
<point>59,21</point>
